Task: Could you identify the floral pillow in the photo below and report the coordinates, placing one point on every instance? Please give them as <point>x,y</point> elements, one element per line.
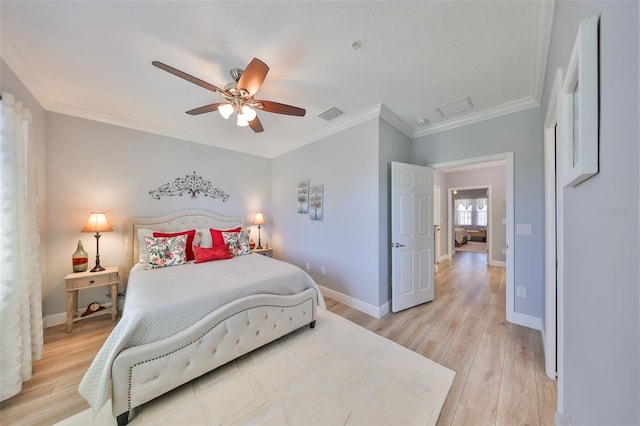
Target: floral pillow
<point>238,242</point>
<point>216,235</point>
<point>190,237</point>
<point>165,251</point>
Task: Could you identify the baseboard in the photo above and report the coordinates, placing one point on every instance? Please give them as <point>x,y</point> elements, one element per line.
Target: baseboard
<point>525,320</point>
<point>374,311</point>
<point>59,319</point>
<point>444,257</point>
<point>549,369</point>
<point>498,263</point>
<point>562,420</point>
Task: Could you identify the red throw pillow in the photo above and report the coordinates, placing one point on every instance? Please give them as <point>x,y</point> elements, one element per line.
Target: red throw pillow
<point>190,236</point>
<point>213,253</point>
<point>216,235</point>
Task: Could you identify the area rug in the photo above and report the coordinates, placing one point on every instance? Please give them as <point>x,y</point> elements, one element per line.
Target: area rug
<point>337,373</point>
<point>473,246</point>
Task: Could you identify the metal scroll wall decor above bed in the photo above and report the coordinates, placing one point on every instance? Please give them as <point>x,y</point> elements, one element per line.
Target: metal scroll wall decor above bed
<point>190,184</point>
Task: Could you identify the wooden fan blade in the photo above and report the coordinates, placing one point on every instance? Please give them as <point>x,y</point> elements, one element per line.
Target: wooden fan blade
<point>279,108</point>
<point>186,76</point>
<point>256,125</point>
<point>253,76</point>
<point>206,108</point>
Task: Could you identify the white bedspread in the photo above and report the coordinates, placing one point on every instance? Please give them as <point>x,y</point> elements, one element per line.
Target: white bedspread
<point>461,233</point>
<point>163,302</point>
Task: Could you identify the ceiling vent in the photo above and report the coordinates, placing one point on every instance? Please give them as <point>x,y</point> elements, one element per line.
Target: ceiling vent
<point>455,107</point>
<point>331,113</point>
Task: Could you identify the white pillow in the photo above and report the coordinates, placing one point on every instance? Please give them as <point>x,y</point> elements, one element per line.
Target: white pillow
<point>142,247</point>
<point>205,240</point>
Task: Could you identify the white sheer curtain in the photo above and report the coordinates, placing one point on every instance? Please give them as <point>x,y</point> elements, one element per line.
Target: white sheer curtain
<point>20,278</point>
<point>464,207</point>
<point>481,205</point>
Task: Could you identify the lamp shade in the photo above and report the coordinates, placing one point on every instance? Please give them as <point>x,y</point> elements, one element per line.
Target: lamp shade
<point>259,220</point>
<point>225,110</point>
<point>249,113</point>
<point>97,223</point>
<point>242,121</point>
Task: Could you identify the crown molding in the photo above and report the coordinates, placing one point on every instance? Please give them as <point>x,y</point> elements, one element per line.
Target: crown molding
<point>545,11</point>
<point>102,117</point>
<point>486,114</point>
<point>116,120</point>
<point>390,117</point>
<point>345,123</point>
<point>14,60</point>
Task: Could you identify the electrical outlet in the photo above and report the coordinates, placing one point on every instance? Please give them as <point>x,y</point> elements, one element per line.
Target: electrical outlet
<point>306,265</point>
<point>522,292</point>
<point>323,270</point>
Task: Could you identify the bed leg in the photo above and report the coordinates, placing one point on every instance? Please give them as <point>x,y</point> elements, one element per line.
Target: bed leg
<point>312,324</point>
<point>123,419</point>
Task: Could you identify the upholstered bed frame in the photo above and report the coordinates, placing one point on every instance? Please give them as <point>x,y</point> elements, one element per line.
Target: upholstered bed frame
<point>142,373</point>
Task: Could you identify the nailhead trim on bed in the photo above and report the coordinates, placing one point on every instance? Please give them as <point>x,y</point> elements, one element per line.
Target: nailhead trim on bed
<point>199,338</point>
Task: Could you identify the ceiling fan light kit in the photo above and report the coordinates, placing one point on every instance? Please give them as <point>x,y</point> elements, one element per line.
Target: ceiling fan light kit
<point>225,110</point>
<point>238,95</point>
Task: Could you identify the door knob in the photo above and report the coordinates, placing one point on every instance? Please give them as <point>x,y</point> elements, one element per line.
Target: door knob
<point>396,245</point>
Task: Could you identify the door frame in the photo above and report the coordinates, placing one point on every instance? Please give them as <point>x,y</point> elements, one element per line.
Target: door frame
<point>437,217</point>
<point>450,225</point>
<point>553,331</point>
<point>512,315</point>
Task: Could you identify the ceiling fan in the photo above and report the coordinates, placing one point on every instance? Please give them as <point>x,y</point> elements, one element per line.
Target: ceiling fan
<point>238,95</point>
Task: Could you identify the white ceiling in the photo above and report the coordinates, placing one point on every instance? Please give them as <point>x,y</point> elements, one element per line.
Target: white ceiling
<point>93,60</point>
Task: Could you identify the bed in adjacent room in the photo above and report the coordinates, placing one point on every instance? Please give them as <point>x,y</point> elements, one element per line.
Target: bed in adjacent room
<point>461,236</point>
<point>182,318</point>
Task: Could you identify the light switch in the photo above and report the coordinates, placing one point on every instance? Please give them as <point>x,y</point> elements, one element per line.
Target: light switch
<point>523,229</point>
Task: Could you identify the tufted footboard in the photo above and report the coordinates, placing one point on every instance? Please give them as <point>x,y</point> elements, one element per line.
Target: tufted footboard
<point>142,373</point>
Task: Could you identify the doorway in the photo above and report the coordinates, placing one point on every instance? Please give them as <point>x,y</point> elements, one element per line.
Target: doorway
<point>470,212</point>
<point>506,219</point>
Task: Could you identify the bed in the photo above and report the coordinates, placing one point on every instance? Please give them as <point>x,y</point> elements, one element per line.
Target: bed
<point>461,236</point>
<point>180,322</point>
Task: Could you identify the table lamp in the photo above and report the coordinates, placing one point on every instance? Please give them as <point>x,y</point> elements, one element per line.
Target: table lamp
<point>97,223</point>
<point>259,220</point>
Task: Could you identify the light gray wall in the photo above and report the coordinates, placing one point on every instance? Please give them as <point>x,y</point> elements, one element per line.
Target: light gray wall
<point>601,375</point>
<point>520,133</point>
<point>10,83</point>
<point>496,178</point>
<point>95,166</point>
<point>346,241</point>
<point>394,146</point>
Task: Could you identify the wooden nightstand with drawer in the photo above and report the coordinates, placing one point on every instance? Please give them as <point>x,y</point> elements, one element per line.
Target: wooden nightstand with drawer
<point>264,251</point>
<point>77,281</point>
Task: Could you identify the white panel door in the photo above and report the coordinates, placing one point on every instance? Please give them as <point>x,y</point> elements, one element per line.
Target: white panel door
<point>411,235</point>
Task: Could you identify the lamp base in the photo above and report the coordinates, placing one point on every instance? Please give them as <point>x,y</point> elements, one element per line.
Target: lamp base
<point>97,268</point>
<point>259,243</point>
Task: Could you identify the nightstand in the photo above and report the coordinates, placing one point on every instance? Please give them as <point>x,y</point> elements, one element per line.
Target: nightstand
<point>265,251</point>
<point>77,281</point>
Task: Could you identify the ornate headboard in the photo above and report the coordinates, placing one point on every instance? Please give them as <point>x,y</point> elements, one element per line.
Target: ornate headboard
<point>172,222</point>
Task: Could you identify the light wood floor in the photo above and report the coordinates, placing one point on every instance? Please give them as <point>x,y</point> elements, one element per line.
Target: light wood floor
<point>500,367</point>
<point>500,377</point>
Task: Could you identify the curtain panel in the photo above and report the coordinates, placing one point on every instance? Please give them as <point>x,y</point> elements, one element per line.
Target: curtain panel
<point>470,212</point>
<point>21,334</point>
